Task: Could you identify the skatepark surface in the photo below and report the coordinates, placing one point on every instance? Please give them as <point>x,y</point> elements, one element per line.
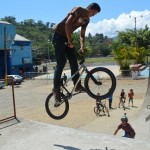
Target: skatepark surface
<point>29,135</point>
<point>26,134</point>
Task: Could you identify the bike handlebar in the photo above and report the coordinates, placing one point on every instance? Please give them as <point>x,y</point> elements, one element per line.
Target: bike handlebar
<point>82,60</point>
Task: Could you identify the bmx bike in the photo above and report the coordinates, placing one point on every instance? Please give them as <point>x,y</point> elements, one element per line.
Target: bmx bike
<point>122,102</point>
<point>98,80</point>
<point>101,107</point>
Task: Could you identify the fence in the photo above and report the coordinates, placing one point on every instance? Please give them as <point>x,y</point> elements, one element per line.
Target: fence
<point>7,102</point>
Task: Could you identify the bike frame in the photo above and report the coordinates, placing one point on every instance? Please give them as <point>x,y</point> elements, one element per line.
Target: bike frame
<point>81,69</point>
<point>102,103</point>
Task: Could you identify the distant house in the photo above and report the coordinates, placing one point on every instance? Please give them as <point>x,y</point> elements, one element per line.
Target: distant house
<point>7,35</point>
<point>15,51</point>
<point>20,56</point>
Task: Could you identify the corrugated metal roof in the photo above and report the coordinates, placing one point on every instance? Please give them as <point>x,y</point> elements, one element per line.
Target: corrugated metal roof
<point>20,38</point>
<point>4,22</point>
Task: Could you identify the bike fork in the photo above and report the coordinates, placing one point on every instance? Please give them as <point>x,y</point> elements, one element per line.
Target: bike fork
<point>92,77</point>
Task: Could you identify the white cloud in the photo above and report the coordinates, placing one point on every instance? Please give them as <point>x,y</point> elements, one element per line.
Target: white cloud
<point>109,26</point>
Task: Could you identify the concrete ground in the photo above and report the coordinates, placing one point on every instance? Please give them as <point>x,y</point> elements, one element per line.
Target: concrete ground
<point>81,129</point>
<point>30,135</point>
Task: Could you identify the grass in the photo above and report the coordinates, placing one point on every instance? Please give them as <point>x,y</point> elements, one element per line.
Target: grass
<point>92,61</point>
<point>101,60</point>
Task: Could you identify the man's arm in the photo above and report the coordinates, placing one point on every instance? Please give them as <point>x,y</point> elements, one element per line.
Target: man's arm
<point>68,30</point>
<point>116,131</point>
<point>119,127</point>
<point>82,39</point>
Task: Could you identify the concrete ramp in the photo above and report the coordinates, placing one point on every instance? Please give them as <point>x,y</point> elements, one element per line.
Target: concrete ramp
<point>29,135</point>
<point>141,122</point>
<point>147,97</point>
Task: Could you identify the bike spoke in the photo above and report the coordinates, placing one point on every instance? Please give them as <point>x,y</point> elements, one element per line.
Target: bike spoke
<point>56,110</point>
<point>105,81</point>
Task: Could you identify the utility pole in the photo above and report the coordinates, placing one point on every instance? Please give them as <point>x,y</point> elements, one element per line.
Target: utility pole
<point>135,29</point>
<point>135,24</point>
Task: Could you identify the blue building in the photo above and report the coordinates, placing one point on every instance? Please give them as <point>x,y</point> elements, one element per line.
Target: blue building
<point>20,56</point>
<point>7,35</point>
<point>15,51</point>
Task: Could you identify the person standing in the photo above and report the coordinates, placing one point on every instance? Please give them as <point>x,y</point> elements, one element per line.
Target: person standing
<point>130,95</point>
<point>65,79</point>
<point>77,17</point>
<point>122,97</point>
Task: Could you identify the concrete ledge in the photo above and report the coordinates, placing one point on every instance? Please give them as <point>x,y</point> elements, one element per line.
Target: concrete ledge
<point>29,135</point>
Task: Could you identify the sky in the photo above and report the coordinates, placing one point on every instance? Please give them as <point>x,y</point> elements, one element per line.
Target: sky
<point>115,15</point>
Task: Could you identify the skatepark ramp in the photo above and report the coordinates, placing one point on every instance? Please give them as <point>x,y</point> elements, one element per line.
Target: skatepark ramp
<point>142,119</point>
<point>28,135</point>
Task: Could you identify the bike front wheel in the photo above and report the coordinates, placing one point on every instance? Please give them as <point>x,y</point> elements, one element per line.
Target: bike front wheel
<point>97,111</point>
<point>56,112</point>
<point>100,83</point>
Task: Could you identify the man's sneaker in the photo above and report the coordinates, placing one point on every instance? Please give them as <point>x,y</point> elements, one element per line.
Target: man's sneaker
<point>57,95</point>
<point>79,88</point>
<point>57,103</point>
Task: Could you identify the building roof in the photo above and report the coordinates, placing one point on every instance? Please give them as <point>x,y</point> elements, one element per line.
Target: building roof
<point>4,22</point>
<point>20,38</point>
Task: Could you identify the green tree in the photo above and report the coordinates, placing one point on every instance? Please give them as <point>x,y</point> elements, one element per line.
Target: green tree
<point>10,19</point>
<point>135,46</point>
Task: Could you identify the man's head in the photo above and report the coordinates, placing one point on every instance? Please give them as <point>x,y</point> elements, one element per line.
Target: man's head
<point>124,120</point>
<point>93,9</point>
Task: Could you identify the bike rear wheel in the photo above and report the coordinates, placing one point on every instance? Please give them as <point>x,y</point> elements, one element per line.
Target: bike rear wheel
<point>54,111</point>
<point>105,86</point>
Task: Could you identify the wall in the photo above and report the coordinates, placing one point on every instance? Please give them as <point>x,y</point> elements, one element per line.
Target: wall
<point>10,33</point>
<point>7,35</point>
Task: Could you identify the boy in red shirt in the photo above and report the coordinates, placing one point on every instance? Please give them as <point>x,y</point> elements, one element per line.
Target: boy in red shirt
<point>129,131</point>
<point>130,95</point>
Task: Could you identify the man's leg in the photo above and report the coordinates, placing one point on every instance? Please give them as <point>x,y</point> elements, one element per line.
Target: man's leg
<point>70,52</point>
<point>110,103</point>
<point>59,45</point>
